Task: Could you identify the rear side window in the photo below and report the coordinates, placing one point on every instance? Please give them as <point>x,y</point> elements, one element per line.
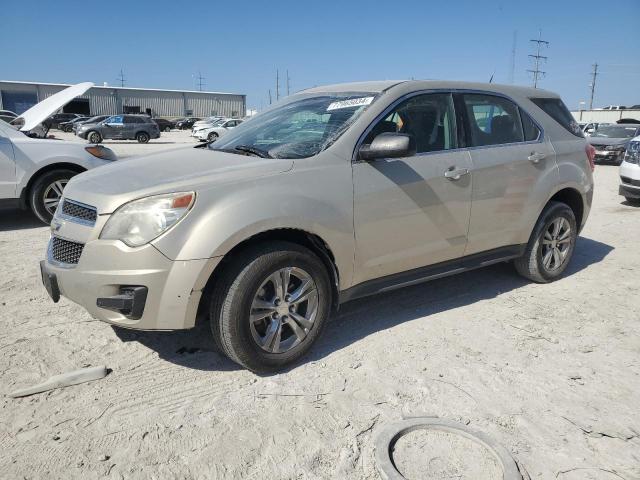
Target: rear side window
<point>493,120</point>
<point>556,109</point>
<point>531,130</point>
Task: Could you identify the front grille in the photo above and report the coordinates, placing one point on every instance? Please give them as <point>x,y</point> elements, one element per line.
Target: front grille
<point>65,251</point>
<point>599,147</point>
<point>75,210</point>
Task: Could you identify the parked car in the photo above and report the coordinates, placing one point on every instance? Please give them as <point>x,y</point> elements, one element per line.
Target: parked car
<point>589,127</point>
<point>164,124</point>
<point>96,119</point>
<point>34,172</point>
<point>198,126</point>
<point>55,120</point>
<point>186,123</point>
<point>120,127</point>
<point>8,116</point>
<point>272,227</point>
<point>610,141</point>
<point>630,173</point>
<point>613,107</point>
<point>208,121</point>
<point>212,133</point>
<point>68,126</point>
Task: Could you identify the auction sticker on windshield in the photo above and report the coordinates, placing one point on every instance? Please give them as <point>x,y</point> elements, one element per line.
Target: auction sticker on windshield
<point>352,102</point>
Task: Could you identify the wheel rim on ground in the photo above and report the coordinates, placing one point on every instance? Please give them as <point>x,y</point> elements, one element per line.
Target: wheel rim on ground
<point>556,244</point>
<point>53,194</point>
<point>212,137</point>
<point>283,310</point>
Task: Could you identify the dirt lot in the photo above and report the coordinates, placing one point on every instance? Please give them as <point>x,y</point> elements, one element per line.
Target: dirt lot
<point>549,371</point>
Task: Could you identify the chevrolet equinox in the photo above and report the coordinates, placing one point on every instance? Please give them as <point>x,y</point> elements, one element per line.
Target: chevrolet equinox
<point>334,193</point>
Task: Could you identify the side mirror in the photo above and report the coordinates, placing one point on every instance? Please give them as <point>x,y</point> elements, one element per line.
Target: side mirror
<point>389,145</point>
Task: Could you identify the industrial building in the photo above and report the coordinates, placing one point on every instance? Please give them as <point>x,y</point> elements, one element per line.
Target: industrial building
<point>109,100</point>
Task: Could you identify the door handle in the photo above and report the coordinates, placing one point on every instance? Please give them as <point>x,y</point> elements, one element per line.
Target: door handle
<point>455,173</point>
<point>535,157</point>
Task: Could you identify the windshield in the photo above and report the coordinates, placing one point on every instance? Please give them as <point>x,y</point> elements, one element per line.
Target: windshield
<point>615,131</point>
<point>298,129</point>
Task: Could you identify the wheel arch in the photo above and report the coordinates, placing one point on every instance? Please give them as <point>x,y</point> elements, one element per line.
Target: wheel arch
<point>24,195</point>
<point>292,235</point>
<point>573,198</point>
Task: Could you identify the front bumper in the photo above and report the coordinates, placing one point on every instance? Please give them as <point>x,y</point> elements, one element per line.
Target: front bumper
<point>174,288</point>
<point>629,180</point>
<point>609,156</point>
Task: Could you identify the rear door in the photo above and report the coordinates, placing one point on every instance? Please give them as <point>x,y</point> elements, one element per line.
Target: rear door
<point>511,163</point>
<point>412,212</point>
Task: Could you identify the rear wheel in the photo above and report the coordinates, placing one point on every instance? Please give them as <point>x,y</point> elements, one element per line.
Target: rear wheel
<point>270,306</point>
<point>167,128</point>
<point>142,137</point>
<point>551,245</point>
<point>94,137</point>
<point>46,193</point>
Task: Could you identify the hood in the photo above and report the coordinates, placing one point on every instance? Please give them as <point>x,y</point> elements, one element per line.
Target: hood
<point>608,141</point>
<point>180,169</point>
<point>47,107</point>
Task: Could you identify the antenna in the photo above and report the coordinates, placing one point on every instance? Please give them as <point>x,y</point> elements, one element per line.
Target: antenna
<point>201,82</point>
<point>121,78</point>
<point>288,79</point>
<point>594,74</point>
<point>537,73</point>
<point>513,57</point>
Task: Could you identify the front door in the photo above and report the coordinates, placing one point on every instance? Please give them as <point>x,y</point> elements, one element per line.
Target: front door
<point>409,212</point>
<point>7,168</point>
<point>513,166</point>
<point>114,127</point>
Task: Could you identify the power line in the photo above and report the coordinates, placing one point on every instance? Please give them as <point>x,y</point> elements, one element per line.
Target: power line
<point>537,73</point>
<point>121,78</point>
<point>201,83</point>
<point>594,74</point>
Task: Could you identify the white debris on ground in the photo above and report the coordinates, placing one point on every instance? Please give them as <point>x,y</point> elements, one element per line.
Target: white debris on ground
<point>549,371</point>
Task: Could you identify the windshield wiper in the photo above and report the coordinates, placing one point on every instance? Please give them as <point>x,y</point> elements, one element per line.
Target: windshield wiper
<point>254,150</point>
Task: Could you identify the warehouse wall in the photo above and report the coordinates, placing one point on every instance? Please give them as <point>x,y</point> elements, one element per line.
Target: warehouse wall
<point>110,100</point>
<point>605,116</point>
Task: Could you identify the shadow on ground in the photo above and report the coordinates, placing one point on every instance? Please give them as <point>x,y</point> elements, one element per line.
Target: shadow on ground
<point>357,319</point>
<point>16,219</point>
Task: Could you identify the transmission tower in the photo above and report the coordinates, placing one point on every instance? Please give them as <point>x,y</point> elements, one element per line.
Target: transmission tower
<point>594,74</point>
<point>201,82</point>
<point>537,73</point>
<point>121,78</point>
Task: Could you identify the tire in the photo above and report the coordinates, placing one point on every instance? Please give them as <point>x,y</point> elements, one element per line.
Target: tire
<point>537,264</point>
<point>212,137</point>
<point>47,187</point>
<point>249,279</point>
<point>94,137</point>
<point>142,137</point>
<point>167,129</point>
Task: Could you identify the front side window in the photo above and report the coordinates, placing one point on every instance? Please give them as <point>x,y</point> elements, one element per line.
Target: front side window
<point>298,129</point>
<point>492,120</point>
<point>115,119</point>
<point>429,118</point>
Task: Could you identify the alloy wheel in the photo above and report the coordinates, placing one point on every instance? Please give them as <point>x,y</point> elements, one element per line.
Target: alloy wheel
<point>556,244</point>
<point>283,310</point>
<point>53,194</point>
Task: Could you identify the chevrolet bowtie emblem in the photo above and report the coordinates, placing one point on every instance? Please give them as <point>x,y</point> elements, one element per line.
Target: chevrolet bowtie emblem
<point>55,225</point>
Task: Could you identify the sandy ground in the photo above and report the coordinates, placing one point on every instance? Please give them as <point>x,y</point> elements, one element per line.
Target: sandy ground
<point>549,371</point>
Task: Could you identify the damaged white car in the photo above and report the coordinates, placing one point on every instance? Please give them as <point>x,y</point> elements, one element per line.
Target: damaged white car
<point>34,172</point>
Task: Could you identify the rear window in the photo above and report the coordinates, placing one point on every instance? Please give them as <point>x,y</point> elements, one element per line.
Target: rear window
<point>556,109</point>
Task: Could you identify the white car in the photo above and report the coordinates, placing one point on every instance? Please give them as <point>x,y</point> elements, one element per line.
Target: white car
<point>207,121</point>
<point>630,173</point>
<point>214,132</point>
<point>210,123</point>
<point>34,172</point>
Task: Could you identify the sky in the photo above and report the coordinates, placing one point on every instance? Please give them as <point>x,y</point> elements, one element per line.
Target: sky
<point>237,45</point>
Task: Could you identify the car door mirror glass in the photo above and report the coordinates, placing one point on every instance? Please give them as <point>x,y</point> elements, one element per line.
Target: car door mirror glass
<point>389,145</point>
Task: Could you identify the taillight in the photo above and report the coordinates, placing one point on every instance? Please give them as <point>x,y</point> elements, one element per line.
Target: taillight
<point>591,155</point>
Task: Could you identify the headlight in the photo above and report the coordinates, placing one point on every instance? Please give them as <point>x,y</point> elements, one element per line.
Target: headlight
<point>633,153</point>
<point>617,148</point>
<point>140,221</point>
<point>102,152</point>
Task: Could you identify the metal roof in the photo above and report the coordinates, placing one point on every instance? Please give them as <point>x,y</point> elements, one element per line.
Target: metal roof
<point>113,87</point>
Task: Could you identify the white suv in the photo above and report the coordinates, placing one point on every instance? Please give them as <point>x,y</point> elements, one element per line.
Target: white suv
<point>630,173</point>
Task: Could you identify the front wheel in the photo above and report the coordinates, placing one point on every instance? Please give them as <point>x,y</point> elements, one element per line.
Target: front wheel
<point>212,137</point>
<point>142,137</point>
<point>94,137</point>
<point>47,192</point>
<point>270,306</point>
<point>550,246</point>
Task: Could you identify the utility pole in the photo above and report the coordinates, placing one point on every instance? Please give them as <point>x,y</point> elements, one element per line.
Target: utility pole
<point>277,85</point>
<point>288,91</point>
<point>200,81</point>
<point>594,74</point>
<point>513,57</point>
<point>269,96</point>
<point>537,73</point>
<point>121,78</point>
